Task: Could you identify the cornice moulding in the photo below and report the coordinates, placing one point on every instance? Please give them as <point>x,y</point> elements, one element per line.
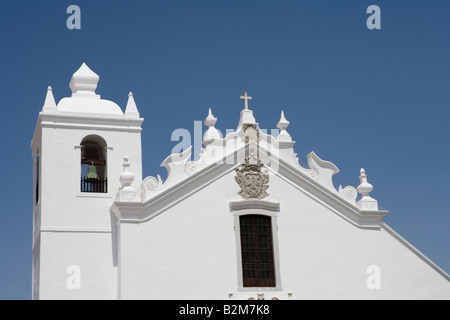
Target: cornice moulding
<point>88,117</point>
<point>77,121</point>
<point>263,204</point>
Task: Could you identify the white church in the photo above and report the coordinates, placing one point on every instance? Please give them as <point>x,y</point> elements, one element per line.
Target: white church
<point>243,221</point>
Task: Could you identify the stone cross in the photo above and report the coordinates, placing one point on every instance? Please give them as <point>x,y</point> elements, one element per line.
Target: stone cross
<point>246,98</point>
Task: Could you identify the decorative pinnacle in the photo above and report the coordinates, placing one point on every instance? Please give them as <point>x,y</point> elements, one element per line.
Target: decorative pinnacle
<point>366,203</point>
<point>127,177</point>
<point>210,120</point>
<point>364,188</point>
<point>49,103</point>
<point>283,123</point>
<point>212,133</point>
<point>131,108</point>
<point>245,98</point>
<point>284,136</point>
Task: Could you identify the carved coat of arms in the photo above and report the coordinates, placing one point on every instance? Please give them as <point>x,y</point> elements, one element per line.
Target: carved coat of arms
<point>253,178</point>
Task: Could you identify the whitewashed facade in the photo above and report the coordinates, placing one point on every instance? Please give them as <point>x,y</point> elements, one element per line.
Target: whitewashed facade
<point>119,236</point>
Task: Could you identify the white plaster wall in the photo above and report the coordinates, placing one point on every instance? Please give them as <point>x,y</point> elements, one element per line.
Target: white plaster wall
<point>76,228</point>
<point>63,204</point>
<point>90,252</point>
<point>189,252</point>
<point>403,273</point>
<point>322,256</point>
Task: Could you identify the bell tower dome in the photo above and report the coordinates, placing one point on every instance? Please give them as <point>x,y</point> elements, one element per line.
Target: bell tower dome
<point>78,149</point>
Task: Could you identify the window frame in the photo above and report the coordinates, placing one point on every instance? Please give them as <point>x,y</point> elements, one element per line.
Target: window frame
<point>255,253</point>
<point>103,146</point>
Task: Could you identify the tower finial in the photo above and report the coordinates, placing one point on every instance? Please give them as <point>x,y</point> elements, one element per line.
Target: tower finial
<point>84,82</point>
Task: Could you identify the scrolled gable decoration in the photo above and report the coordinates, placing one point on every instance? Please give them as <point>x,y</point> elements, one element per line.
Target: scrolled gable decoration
<point>253,178</point>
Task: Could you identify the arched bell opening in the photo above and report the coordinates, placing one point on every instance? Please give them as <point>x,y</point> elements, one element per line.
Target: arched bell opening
<point>93,165</point>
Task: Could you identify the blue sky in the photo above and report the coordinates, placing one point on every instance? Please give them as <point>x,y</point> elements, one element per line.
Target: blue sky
<point>378,99</point>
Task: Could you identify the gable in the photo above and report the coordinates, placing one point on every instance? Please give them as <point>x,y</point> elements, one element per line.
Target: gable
<point>322,231</point>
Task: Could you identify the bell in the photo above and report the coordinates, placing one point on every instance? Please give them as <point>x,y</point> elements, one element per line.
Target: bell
<point>92,173</point>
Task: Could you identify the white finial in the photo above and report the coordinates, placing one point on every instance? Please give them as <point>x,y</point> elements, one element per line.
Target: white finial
<point>210,120</point>
<point>283,123</point>
<point>127,192</point>
<point>245,98</point>
<point>364,188</point>
<point>212,133</point>
<point>366,203</point>
<point>284,136</point>
<point>131,108</point>
<point>84,82</point>
<point>49,103</point>
<point>127,177</point>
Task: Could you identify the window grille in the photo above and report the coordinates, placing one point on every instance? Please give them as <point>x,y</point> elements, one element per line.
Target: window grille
<point>257,251</point>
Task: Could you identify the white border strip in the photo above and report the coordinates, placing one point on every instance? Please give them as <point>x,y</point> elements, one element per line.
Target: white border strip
<point>76,229</point>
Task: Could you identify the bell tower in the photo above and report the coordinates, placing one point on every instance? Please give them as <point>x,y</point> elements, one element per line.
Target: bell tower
<point>78,149</point>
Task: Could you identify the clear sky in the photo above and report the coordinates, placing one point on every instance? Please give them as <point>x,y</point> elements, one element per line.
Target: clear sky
<point>377,99</point>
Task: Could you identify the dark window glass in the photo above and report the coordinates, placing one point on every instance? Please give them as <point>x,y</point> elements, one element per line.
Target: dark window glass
<point>257,251</point>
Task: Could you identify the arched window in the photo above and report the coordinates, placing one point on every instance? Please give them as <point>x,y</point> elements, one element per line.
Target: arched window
<point>93,165</point>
